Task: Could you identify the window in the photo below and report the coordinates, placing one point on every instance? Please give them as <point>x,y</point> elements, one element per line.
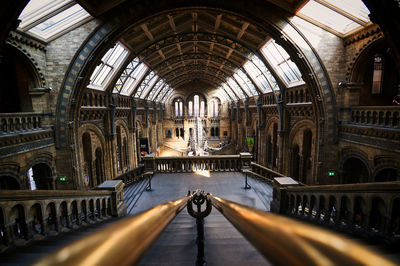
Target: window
<point>216,106</point>
<point>212,109</point>
<point>190,108</point>
<point>281,61</point>
<point>156,89</point>
<point>146,85</point>
<point>176,108</point>
<point>245,82</point>
<point>48,19</point>
<point>261,74</point>
<point>196,105</point>
<point>133,79</point>
<point>110,62</point>
<point>180,108</point>
<point>202,107</point>
<point>338,16</point>
<point>377,78</point>
<point>234,86</point>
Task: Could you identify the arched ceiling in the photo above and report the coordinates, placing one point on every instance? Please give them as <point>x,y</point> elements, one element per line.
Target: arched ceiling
<point>171,49</point>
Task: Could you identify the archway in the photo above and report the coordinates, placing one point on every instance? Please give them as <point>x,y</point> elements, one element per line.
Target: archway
<point>40,177</point>
<point>295,168</point>
<point>307,157</point>
<point>87,160</point>
<point>9,183</point>
<point>354,171</point>
<point>387,175</point>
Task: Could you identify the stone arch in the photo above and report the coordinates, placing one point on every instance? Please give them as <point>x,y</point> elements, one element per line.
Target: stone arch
<point>87,173</point>
<point>42,170</point>
<point>349,153</point>
<point>383,163</point>
<point>302,52</point>
<point>303,137</point>
<point>8,182</point>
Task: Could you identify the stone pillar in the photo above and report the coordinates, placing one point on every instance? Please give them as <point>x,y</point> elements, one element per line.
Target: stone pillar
<point>154,113</point>
<point>133,108</point>
<point>118,206</point>
<point>146,114</point>
<point>150,162</point>
<point>238,111</point>
<point>246,111</point>
<point>245,160</point>
<point>279,201</point>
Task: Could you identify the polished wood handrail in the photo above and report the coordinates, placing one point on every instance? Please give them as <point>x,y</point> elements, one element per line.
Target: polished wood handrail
<point>122,243</point>
<point>283,241</point>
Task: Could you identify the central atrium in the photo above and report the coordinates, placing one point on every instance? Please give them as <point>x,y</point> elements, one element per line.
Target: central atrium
<point>109,108</point>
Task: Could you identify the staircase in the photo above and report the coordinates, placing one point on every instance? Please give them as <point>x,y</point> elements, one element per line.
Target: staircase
<point>34,250</point>
<point>224,245</point>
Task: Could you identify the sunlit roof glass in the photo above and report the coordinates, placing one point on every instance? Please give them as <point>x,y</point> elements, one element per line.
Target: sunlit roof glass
<point>133,79</point>
<point>234,86</point>
<point>110,62</point>
<point>156,88</point>
<point>60,21</point>
<point>281,62</point>
<point>355,8</point>
<point>229,91</point>
<point>329,17</point>
<point>244,81</point>
<point>228,96</point>
<point>162,93</point>
<point>36,10</point>
<point>257,76</point>
<point>145,85</point>
<point>169,92</point>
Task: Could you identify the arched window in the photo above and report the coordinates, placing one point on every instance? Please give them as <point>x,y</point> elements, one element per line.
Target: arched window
<point>176,109</point>
<point>190,108</point>
<point>217,131</point>
<point>216,109</point>
<point>202,107</point>
<point>180,108</point>
<point>377,78</point>
<point>196,105</point>
<point>212,109</point>
<point>177,132</point>
<point>212,132</point>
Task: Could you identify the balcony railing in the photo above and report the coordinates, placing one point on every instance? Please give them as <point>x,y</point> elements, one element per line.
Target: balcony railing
<point>280,240</point>
<point>27,215</point>
<point>370,209</point>
<point>380,116</point>
<point>20,122</point>
<point>193,163</point>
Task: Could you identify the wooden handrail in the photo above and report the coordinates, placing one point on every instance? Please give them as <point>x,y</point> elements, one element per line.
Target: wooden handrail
<point>283,241</point>
<point>122,243</point>
<point>275,173</point>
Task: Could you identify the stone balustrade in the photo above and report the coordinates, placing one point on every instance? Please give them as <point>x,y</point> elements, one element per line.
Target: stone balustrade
<point>132,175</point>
<point>20,122</point>
<point>33,215</point>
<point>215,121</point>
<point>367,209</point>
<point>265,172</point>
<point>214,163</point>
<point>381,116</point>
<point>297,94</point>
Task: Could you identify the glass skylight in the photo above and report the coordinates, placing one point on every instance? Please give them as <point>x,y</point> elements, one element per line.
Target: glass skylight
<point>339,16</point>
<point>169,92</point>
<point>234,86</point>
<point>257,76</point>
<point>245,82</point>
<point>110,62</point>
<point>133,79</point>
<point>156,89</point>
<point>163,93</point>
<point>46,19</point>
<point>281,61</point>
<point>146,84</point>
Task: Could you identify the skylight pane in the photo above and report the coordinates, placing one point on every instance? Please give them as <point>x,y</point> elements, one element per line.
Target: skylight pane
<point>228,91</point>
<point>257,76</point>
<point>328,17</point>
<point>110,63</point>
<point>157,88</point>
<point>234,86</point>
<point>134,79</point>
<point>355,8</point>
<point>59,22</point>
<point>244,81</point>
<point>36,10</point>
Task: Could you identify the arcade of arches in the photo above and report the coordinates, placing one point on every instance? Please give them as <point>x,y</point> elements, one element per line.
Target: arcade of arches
<point>83,101</point>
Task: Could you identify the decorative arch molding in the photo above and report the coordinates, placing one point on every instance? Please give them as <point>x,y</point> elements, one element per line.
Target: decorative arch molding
<point>32,62</point>
<point>350,152</point>
<point>358,56</point>
<point>122,123</point>
<point>299,125</point>
<point>95,129</point>
<point>382,162</point>
<point>43,157</point>
<point>12,169</point>
<point>285,33</point>
<point>176,96</point>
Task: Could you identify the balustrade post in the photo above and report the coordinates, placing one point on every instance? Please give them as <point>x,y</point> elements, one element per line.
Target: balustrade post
<point>118,206</point>
<point>245,160</point>
<point>280,200</point>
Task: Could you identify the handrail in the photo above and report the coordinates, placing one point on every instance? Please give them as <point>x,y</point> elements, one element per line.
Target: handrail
<point>267,169</point>
<point>283,241</point>
<point>129,238</point>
